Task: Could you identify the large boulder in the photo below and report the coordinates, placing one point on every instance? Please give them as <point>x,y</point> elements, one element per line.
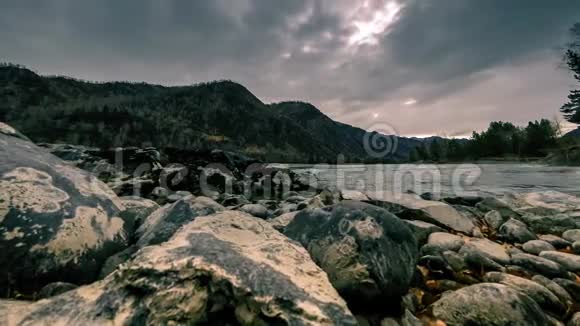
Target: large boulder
<point>57,223</point>
<point>164,222</point>
<point>544,297</point>
<point>229,268</point>
<point>488,304</point>
<point>368,253</point>
<point>413,207</point>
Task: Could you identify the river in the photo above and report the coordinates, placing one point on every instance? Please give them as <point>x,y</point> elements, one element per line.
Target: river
<point>459,179</point>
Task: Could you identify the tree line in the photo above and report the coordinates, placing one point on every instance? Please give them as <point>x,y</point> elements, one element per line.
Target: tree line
<point>501,140</point>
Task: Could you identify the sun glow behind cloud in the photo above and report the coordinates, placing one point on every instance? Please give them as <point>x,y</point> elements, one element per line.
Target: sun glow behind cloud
<point>368,31</point>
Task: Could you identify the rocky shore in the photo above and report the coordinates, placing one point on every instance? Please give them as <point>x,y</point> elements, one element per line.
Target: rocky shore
<point>135,236</point>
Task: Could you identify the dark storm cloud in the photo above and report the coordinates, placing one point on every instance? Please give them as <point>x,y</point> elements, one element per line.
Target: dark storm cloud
<point>448,55</point>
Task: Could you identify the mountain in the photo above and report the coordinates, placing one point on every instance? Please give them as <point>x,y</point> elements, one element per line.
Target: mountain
<point>220,114</point>
<point>574,133</point>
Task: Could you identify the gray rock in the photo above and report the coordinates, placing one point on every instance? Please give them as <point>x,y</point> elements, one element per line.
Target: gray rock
<point>113,262</point>
<point>536,246</point>
<point>445,241</point>
<point>138,208</point>
<point>295,199</point>
<point>572,235</point>
<point>57,223</point>
<point>281,222</point>
<point>164,222</point>
<point>269,204</point>
<point>408,319</point>
<point>488,304</point>
<point>575,320</point>
<point>54,289</point>
<point>515,231</point>
<point>455,261</point>
<point>179,195</point>
<point>436,264</point>
<point>570,262</point>
<point>555,241</point>
<point>559,291</point>
<point>537,292</point>
<point>538,264</point>
<point>489,249</point>
<point>385,322</point>
<point>229,200</point>
<point>368,253</point>
<point>576,247</point>
<point>494,219</point>
<point>422,230</point>
<point>552,321</point>
<point>489,204</point>
<point>256,210</point>
<point>412,207</point>
<point>285,209</point>
<point>478,260</point>
<point>7,130</point>
<point>353,195</point>
<point>551,224</point>
<point>229,268</point>
<point>514,251</point>
<point>571,287</point>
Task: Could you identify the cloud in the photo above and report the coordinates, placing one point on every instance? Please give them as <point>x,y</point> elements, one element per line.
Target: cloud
<point>351,59</point>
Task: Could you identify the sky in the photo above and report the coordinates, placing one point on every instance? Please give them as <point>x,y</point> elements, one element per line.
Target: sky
<point>410,67</point>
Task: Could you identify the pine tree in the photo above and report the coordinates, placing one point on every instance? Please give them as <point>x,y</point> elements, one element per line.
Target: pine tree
<point>571,110</point>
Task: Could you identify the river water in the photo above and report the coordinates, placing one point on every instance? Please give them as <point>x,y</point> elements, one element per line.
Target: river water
<point>458,179</point>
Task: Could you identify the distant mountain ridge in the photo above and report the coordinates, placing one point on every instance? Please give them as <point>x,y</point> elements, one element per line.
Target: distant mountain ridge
<point>220,114</point>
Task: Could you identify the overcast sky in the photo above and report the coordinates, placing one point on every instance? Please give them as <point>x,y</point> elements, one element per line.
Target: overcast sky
<point>417,67</point>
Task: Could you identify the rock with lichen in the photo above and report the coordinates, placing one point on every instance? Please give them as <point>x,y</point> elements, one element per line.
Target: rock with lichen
<point>368,253</point>
<point>57,223</point>
<point>227,268</point>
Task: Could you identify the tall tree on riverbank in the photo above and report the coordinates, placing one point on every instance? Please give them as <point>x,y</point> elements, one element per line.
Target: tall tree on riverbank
<point>571,110</point>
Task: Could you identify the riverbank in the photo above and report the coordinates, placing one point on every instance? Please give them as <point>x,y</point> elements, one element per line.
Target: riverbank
<point>135,236</point>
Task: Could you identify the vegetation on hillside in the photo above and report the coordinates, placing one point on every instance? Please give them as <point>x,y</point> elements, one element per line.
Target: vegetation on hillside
<point>501,141</point>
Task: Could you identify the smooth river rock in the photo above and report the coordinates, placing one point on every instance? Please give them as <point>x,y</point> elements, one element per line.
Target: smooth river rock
<point>572,235</point>
<point>445,241</point>
<point>489,249</point>
<point>57,223</point>
<point>539,265</point>
<point>228,268</point>
<point>412,207</point>
<point>536,246</point>
<point>422,230</point>
<point>544,297</point>
<point>488,304</point>
<point>515,231</point>
<point>368,253</point>
<point>570,262</point>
